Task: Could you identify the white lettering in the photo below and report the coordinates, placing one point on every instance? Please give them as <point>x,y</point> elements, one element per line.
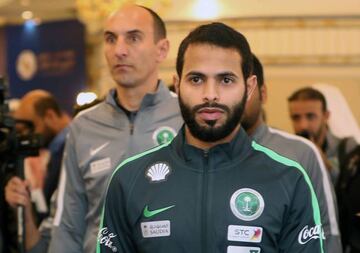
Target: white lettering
<point>104,237</point>
<point>307,234</point>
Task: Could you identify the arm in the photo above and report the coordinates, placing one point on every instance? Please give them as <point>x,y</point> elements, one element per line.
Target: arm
<point>302,231</point>
<point>17,193</point>
<point>69,222</point>
<point>114,232</point>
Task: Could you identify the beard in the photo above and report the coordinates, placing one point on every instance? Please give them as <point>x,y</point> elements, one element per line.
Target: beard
<point>209,132</point>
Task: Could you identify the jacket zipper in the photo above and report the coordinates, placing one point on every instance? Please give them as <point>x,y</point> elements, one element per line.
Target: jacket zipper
<point>204,203</point>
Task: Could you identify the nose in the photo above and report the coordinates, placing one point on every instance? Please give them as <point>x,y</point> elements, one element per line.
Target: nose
<point>210,91</point>
<point>121,48</point>
<point>302,124</point>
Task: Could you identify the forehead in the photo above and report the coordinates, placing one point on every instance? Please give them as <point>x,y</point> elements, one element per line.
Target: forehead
<point>212,59</point>
<point>128,19</point>
<point>306,106</point>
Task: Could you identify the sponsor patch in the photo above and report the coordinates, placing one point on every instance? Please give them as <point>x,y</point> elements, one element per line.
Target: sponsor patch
<point>163,135</point>
<point>155,228</point>
<point>244,233</point>
<point>100,165</point>
<point>104,238</point>
<point>158,172</point>
<point>247,204</point>
<point>307,234</point>
<point>242,249</point>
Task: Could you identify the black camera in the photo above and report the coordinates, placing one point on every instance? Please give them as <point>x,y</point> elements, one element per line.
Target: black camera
<point>12,144</point>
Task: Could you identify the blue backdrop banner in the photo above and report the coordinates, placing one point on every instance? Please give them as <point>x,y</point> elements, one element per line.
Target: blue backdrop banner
<point>49,56</point>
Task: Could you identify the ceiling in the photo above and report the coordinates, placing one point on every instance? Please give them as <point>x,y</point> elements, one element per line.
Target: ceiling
<point>10,10</point>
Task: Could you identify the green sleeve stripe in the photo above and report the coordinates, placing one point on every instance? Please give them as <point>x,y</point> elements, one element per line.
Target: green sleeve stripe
<point>132,158</point>
<point>286,161</point>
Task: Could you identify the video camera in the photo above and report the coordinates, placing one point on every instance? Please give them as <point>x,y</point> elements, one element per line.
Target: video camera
<point>12,144</point>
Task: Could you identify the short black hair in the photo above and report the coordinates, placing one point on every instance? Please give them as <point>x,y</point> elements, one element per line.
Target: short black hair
<point>45,103</point>
<point>159,25</point>
<point>309,93</point>
<point>258,71</point>
<point>221,35</point>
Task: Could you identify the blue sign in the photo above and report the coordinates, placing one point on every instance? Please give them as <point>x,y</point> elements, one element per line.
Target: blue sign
<point>50,56</point>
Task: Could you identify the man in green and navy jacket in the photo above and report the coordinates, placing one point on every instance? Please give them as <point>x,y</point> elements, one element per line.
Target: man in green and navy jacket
<point>211,189</point>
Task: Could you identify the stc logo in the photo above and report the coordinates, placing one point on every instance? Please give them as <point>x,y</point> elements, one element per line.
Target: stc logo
<point>307,234</point>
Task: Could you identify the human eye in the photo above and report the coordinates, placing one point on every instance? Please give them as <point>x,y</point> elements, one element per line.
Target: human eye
<point>134,37</point>
<point>227,80</point>
<point>111,39</point>
<point>195,79</point>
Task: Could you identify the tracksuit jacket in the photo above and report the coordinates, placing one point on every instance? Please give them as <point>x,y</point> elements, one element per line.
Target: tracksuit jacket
<point>306,153</point>
<point>238,197</point>
<point>99,139</point>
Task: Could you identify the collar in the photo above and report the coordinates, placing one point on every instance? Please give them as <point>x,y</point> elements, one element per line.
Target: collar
<point>237,149</point>
<point>150,99</point>
<point>331,143</point>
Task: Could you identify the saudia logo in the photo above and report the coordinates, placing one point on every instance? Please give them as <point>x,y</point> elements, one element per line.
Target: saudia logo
<point>307,234</point>
<point>105,237</point>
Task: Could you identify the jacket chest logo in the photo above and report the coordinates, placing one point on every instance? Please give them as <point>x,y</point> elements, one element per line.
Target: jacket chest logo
<point>163,135</point>
<point>247,204</point>
<point>158,172</point>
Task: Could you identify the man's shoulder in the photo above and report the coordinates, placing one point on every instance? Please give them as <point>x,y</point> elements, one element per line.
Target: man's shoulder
<point>133,164</point>
<point>290,145</point>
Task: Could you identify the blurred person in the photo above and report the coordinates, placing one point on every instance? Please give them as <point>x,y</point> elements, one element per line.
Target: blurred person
<point>297,149</point>
<point>211,189</point>
<point>309,116</point>
<point>40,108</point>
<point>139,113</point>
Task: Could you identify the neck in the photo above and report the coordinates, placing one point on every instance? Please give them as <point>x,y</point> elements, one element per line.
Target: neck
<point>251,130</point>
<point>64,120</point>
<point>131,97</point>
<point>193,141</point>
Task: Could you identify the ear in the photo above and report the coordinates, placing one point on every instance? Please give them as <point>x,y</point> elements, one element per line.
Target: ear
<point>49,116</point>
<point>251,84</point>
<point>327,115</point>
<point>176,83</point>
<point>163,46</point>
<point>263,93</point>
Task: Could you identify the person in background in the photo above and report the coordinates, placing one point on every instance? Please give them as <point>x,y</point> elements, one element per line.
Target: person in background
<point>41,109</point>
<point>139,113</point>
<point>298,149</point>
<point>309,116</point>
<point>211,189</point>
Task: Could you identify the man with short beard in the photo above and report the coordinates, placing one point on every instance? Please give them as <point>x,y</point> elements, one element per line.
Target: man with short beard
<point>211,189</point>
<point>298,149</point>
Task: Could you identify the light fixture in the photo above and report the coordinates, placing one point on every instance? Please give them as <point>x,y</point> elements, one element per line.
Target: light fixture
<point>27,15</point>
<point>206,9</point>
<point>84,98</point>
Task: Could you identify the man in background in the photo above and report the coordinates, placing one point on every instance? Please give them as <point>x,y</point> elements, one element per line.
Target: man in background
<point>298,149</point>
<point>42,110</point>
<point>139,113</point>
<point>309,116</point>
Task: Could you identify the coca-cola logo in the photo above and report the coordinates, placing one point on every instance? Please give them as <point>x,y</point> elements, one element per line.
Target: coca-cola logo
<point>104,237</point>
<point>307,234</point>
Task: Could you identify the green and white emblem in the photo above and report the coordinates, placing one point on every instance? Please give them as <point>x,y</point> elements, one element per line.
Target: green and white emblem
<point>247,204</point>
<point>163,135</point>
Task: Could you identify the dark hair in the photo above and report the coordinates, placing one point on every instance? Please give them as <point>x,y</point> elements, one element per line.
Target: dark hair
<point>221,35</point>
<point>258,71</point>
<point>309,93</point>
<point>159,25</point>
<point>43,104</point>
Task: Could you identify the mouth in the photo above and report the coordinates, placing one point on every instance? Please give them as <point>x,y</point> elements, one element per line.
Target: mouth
<point>122,67</point>
<point>208,114</point>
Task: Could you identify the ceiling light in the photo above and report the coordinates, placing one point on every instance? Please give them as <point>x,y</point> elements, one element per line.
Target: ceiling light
<point>27,15</point>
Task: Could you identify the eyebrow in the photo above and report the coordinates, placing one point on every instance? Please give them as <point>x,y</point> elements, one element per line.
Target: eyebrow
<point>221,74</point>
<point>131,32</point>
